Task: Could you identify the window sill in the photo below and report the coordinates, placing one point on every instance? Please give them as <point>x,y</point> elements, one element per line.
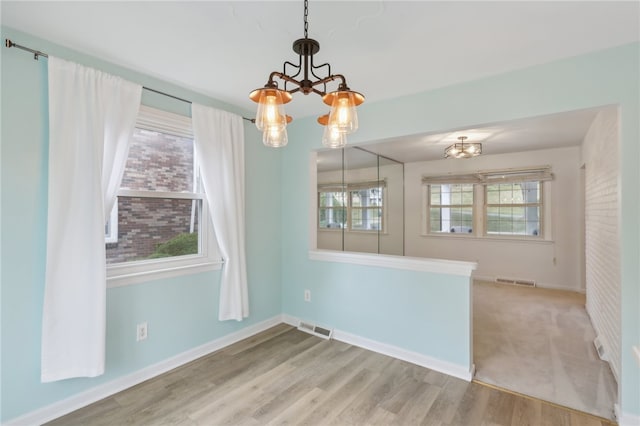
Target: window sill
<point>439,266</point>
<point>532,240</point>
<point>127,274</point>
<point>352,231</point>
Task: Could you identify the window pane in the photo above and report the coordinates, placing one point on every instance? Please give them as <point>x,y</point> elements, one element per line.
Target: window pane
<point>332,199</point>
<point>504,214</point>
<point>366,219</point>
<point>456,212</point>
<point>332,217</point>
<point>159,162</point>
<point>451,219</point>
<point>358,198</point>
<point>366,197</point>
<point>150,228</point>
<point>451,194</point>
<point>435,219</point>
<point>436,196</point>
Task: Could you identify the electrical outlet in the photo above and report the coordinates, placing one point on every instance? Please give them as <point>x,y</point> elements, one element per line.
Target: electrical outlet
<point>307,295</point>
<point>142,331</point>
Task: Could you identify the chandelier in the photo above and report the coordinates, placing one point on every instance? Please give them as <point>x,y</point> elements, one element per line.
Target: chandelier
<point>271,118</point>
<point>462,149</point>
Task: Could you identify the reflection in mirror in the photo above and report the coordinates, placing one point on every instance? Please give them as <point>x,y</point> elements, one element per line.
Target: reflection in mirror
<point>360,201</point>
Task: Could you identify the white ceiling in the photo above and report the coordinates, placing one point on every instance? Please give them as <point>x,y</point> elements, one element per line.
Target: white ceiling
<point>385,49</point>
<point>544,132</point>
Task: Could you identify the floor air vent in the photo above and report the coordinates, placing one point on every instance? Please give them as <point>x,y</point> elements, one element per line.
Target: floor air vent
<point>315,330</point>
<point>516,281</point>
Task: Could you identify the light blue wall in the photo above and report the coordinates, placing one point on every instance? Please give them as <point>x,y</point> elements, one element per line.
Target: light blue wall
<point>348,296</point>
<point>181,312</point>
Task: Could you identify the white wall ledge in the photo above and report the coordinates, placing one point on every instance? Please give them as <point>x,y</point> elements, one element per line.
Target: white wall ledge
<point>439,266</point>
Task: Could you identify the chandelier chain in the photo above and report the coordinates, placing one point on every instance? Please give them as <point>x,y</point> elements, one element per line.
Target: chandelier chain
<point>306,15</point>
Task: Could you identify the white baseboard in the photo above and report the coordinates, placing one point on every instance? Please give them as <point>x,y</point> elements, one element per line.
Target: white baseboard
<point>445,367</point>
<point>288,319</point>
<point>60,408</point>
<point>490,279</point>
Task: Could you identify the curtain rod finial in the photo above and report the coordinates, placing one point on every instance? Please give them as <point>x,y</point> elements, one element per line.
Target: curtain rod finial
<point>8,42</point>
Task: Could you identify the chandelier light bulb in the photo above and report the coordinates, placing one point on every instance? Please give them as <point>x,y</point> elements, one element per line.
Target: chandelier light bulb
<point>343,116</point>
<point>270,112</point>
<point>275,137</point>
<point>333,138</point>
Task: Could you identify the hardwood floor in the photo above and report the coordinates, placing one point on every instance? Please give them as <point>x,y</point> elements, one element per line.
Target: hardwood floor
<point>286,377</point>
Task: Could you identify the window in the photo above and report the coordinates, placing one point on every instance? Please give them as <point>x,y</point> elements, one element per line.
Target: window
<point>513,208</point>
<point>451,208</point>
<point>366,209</point>
<point>354,207</point>
<point>497,203</point>
<point>160,221</point>
<point>332,210</point>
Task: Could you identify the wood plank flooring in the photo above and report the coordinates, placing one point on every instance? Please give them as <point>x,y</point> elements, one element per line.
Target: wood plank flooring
<point>286,377</point>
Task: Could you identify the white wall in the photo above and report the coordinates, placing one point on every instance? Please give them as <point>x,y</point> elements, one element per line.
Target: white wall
<point>602,233</point>
<point>367,242</point>
<point>552,262</point>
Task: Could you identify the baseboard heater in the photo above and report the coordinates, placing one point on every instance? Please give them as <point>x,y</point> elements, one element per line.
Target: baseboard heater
<point>516,281</point>
<point>322,332</point>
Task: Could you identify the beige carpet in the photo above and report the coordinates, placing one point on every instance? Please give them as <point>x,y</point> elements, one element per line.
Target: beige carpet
<point>539,342</point>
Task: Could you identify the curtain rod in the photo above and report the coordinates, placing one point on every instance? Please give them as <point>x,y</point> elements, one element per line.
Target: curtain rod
<point>37,54</point>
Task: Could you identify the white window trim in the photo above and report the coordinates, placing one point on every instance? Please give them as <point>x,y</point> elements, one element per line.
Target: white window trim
<point>427,210</point>
<point>208,259</point>
<point>480,179</point>
<point>541,219</point>
<point>112,236</point>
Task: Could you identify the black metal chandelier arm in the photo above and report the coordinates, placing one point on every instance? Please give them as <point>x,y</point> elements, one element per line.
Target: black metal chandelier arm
<point>313,68</point>
<point>317,67</point>
<point>330,78</point>
<point>297,67</point>
<point>284,77</point>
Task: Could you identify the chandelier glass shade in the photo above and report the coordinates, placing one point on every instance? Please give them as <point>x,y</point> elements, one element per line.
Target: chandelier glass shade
<point>270,112</point>
<point>343,116</point>
<point>462,149</point>
<point>331,137</point>
<point>307,78</point>
<point>276,136</point>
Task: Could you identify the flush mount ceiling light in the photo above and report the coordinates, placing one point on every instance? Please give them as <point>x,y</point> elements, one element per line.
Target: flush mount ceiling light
<point>462,149</point>
<point>271,118</point>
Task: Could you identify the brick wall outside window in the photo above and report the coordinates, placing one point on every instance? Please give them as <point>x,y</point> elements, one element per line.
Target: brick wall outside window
<point>156,162</point>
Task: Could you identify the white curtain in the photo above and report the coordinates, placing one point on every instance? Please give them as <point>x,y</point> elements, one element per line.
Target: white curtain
<point>91,119</point>
<point>219,147</point>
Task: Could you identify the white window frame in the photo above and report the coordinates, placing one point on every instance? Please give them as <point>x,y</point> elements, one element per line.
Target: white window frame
<point>351,208</point>
<point>441,206</point>
<point>112,236</point>
<point>208,257</point>
<point>540,205</point>
<point>480,180</point>
<point>347,189</point>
